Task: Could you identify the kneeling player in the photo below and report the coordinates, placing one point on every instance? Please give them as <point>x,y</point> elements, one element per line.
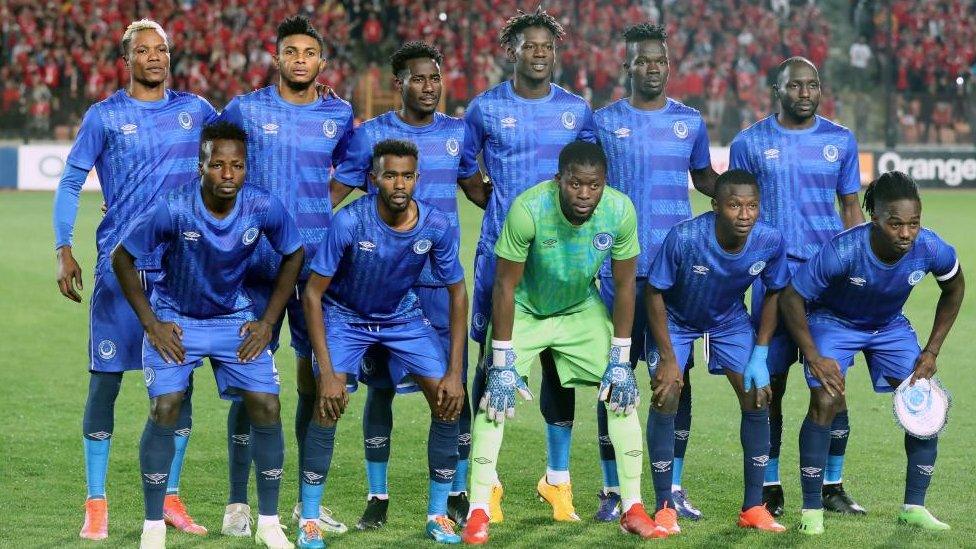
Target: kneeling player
<point>200,309</point>
<point>555,237</point>
<point>860,280</point>
<point>696,287</point>
<point>366,266</point>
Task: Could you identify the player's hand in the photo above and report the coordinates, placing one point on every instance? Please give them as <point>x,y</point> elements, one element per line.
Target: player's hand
<point>827,372</point>
<point>333,397</point>
<point>756,375</point>
<point>257,336</point>
<point>450,397</point>
<point>104,208</point>
<point>167,339</point>
<point>619,388</point>
<point>667,382</point>
<point>499,398</point>
<point>69,275</point>
<point>325,91</point>
<point>924,367</point>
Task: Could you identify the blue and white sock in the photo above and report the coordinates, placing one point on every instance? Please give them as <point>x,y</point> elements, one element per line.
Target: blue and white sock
<point>921,465</point>
<point>840,430</point>
<point>754,436</point>
<point>316,460</point>
<point>660,445</point>
<point>97,428</point>
<point>814,442</point>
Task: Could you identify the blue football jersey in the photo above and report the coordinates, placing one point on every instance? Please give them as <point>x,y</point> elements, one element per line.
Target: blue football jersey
<point>649,154</point>
<point>848,282</point>
<point>800,174</point>
<point>140,150</point>
<point>291,152</point>
<point>374,267</point>
<point>520,140</point>
<point>703,285</point>
<point>205,259</point>
<point>440,161</point>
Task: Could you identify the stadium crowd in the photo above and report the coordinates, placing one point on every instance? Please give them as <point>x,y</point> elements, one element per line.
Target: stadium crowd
<point>56,58</point>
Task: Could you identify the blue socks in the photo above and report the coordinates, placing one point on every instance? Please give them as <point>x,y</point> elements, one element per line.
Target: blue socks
<point>608,459</point>
<point>184,425</point>
<point>376,477</point>
<point>316,459</point>
<point>303,416</point>
<point>660,445</point>
<point>155,458</point>
<point>775,441</point>
<point>460,483</point>
<point>97,427</point>
<point>754,436</point>
<point>442,458</point>
<point>921,464</point>
<point>269,458</point>
<point>238,451</point>
<point>558,441</point>
<point>814,442</point>
<point>839,431</point>
<point>377,428</point>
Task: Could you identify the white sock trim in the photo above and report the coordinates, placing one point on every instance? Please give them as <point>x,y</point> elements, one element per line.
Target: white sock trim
<point>153,525</point>
<point>557,477</point>
<point>773,483</point>
<point>627,503</point>
<point>268,519</point>
<point>829,482</point>
<point>675,487</point>
<point>371,495</point>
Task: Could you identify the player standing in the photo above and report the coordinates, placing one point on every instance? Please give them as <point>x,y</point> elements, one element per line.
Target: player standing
<point>519,127</point>
<point>416,70</point>
<point>142,141</point>
<point>696,287</point>
<point>200,309</point>
<point>652,143</point>
<point>366,267</point>
<point>295,138</point>
<point>854,289</point>
<point>804,163</point>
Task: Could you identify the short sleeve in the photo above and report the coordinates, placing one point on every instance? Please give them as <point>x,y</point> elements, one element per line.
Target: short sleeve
<point>474,139</point>
<point>90,141</point>
<point>355,165</point>
<point>468,164</point>
<point>776,274</point>
<point>815,276</point>
<point>232,113</point>
<point>849,181</point>
<point>587,131</point>
<point>700,155</point>
<point>150,230</point>
<point>334,245</point>
<point>666,263</point>
<point>517,234</point>
<point>444,261</point>
<point>945,264</point>
<point>342,147</point>
<point>280,229</point>
<point>209,113</point>
<point>625,242</point>
<point>739,155</point>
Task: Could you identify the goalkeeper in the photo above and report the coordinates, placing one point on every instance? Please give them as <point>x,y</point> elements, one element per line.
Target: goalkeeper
<point>556,236</point>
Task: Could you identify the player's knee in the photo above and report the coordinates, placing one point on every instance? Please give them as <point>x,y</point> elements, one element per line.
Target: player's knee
<point>304,378</point>
<point>263,409</point>
<point>824,406</point>
<point>165,409</point>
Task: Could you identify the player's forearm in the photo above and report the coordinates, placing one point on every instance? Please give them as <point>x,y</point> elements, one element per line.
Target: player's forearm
<point>338,192</point>
<point>315,321</point>
<point>291,266</point>
<point>124,266</point>
<point>769,317</point>
<point>704,180</point>
<point>946,310</point>
<point>503,311</point>
<point>475,189</point>
<point>625,294</point>
<point>459,326</point>
<point>794,313</point>
<point>657,320</point>
<point>850,211</point>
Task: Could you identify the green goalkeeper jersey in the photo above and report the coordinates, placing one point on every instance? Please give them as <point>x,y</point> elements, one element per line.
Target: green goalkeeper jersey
<point>562,259</point>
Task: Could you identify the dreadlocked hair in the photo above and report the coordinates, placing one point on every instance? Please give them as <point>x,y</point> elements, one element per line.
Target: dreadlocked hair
<point>521,21</point>
<point>645,31</point>
<point>887,188</point>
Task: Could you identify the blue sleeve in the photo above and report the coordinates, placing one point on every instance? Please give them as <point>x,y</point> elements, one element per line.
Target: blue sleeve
<point>665,264</point>
<point>849,181</point>
<point>776,275</point>
<point>739,155</point>
<point>334,245</point>
<point>66,204</point>
<point>474,140</point>
<point>355,166</point>
<point>280,229</point>
<point>342,147</point>
<point>700,155</point>
<point>444,262</point>
<point>232,112</point>
<point>152,229</point>
<point>210,114</point>
<point>815,276</point>
<point>90,141</point>
<point>587,130</point>
<point>945,264</point>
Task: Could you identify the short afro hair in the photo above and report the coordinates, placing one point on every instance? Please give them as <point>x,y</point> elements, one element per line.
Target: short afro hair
<point>734,177</point>
<point>645,31</point>
<point>413,50</point>
<point>220,130</point>
<point>521,21</point>
<point>140,25</point>
<point>393,147</point>
<point>298,24</point>
<point>581,153</point>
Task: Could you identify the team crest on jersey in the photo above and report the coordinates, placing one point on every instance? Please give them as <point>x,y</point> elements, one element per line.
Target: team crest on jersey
<point>915,277</point>
<point>622,133</point>
<point>569,120</point>
<point>509,122</point>
<point>700,269</point>
<point>857,281</point>
<point>422,246</point>
<point>771,154</point>
<point>250,236</point>
<point>757,268</point>
<point>270,128</point>
<point>680,129</point>
<point>452,146</point>
<point>830,153</point>
<point>149,374</point>
<point>128,129</point>
<point>186,121</point>
<point>603,241</point>
<point>106,349</point>
<point>366,246</point>
<point>329,128</point>
<point>191,236</point>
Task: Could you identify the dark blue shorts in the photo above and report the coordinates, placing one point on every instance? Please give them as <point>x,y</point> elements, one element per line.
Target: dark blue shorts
<point>640,315</point>
<point>783,351</point>
<point>727,347</point>
<point>890,352</point>
<point>484,281</point>
<point>115,333</point>
<point>260,291</point>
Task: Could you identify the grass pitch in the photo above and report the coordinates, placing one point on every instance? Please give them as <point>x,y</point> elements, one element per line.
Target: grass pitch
<point>43,384</point>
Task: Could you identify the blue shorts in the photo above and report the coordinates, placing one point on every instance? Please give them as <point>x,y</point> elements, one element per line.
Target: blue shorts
<point>219,343</point>
<point>890,352</point>
<point>727,347</point>
<point>640,315</point>
<point>435,302</point>
<point>115,333</point>
<point>783,351</point>
<point>484,281</point>
<point>413,347</point>
<point>259,290</point>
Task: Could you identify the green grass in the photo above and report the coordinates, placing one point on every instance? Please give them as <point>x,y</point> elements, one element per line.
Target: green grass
<point>43,387</point>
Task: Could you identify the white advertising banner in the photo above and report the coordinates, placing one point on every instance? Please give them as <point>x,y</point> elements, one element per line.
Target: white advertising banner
<point>39,168</point>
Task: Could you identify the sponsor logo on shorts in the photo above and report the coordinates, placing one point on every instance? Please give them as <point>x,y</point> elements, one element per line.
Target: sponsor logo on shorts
<point>464,439</point>
<point>452,146</point>
<point>811,472</point>
<point>250,236</point>
<point>422,246</point>
<point>329,128</point>
<point>149,374</point>
<point>482,460</point>
<point>700,269</point>
<point>830,153</point>
<point>926,470</point>
<point>509,122</point>
<point>186,121</point>
<point>272,474</point>
<point>376,442</point>
<point>603,241</point>
<point>757,268</point>
<point>129,129</point>
<point>681,434</point>
<point>242,439</point>
<point>446,474</point>
<point>915,277</point>
<point>569,120</point>
<point>155,478</point>
<point>479,321</point>
<point>771,154</point>
<point>839,433</point>
<point>760,461</point>
<point>100,435</point>
<point>635,453</point>
<point>857,281</point>
<point>106,349</point>
<point>661,466</point>
<point>185,432</point>
<point>191,236</point>
<point>366,246</point>
<point>549,243</point>
<point>270,128</point>
<point>311,477</point>
<point>680,129</point>
<point>622,133</point>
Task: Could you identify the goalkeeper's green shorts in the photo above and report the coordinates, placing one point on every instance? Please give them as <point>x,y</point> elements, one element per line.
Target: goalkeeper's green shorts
<point>580,343</point>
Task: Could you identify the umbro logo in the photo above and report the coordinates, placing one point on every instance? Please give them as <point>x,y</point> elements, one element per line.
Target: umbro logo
<point>858,281</point>
<point>622,133</point>
<point>661,466</point>
<point>156,478</point>
<point>376,442</point>
<point>101,435</point>
<point>445,474</point>
<point>811,472</point>
<point>270,128</point>
<point>311,477</point>
<point>563,424</point>
<point>241,440</point>
<point>760,461</point>
<point>129,129</point>
<point>635,453</point>
<point>926,470</point>
<point>366,246</point>
<point>185,432</point>
<point>509,122</point>
<point>464,439</point>
<point>839,433</point>
<point>700,269</point>
<point>681,434</point>
<point>771,154</point>
<point>549,243</point>
<point>191,236</point>
<point>604,439</point>
<point>272,474</point>
<point>482,460</point>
